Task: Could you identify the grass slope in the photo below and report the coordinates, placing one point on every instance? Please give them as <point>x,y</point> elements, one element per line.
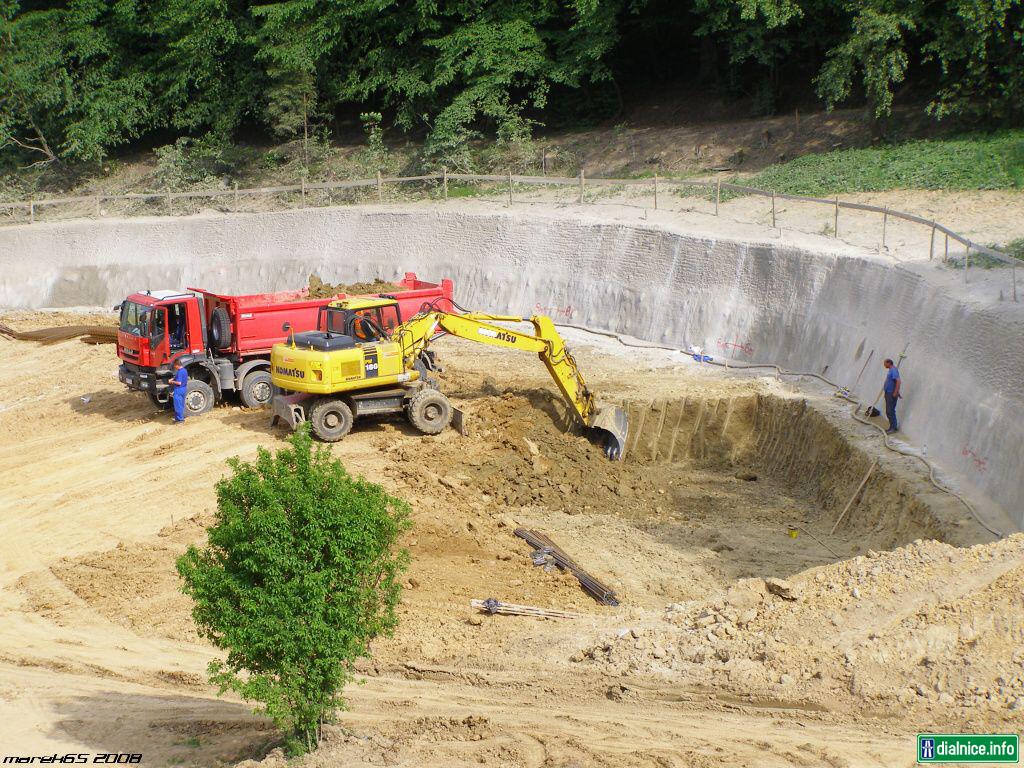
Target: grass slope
<point>975,161</point>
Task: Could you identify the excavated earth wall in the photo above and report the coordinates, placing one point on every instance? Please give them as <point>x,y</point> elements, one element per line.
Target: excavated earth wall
<point>801,306</point>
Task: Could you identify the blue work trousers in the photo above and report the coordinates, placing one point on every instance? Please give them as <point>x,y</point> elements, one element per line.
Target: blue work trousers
<point>179,404</point>
<point>890,410</point>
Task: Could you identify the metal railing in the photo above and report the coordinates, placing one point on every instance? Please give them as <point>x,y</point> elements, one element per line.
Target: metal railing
<point>164,202</point>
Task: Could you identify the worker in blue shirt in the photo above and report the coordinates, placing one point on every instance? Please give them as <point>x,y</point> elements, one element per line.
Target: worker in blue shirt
<point>891,388</point>
<point>180,384</point>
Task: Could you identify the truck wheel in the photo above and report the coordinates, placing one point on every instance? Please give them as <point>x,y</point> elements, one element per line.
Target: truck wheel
<point>331,420</point>
<point>199,397</point>
<point>256,389</point>
<point>429,411</point>
<point>220,329</point>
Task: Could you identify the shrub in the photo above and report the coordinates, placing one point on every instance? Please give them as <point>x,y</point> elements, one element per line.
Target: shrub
<point>299,574</point>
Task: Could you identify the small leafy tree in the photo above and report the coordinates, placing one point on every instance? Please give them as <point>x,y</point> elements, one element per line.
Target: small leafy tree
<point>375,137</point>
<point>299,575</point>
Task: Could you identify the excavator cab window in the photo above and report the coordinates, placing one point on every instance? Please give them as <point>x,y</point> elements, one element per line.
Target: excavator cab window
<point>332,320</point>
<point>390,318</point>
<point>365,325</point>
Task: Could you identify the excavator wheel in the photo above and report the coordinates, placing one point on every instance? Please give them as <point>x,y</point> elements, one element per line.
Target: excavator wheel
<point>331,420</point>
<point>429,411</point>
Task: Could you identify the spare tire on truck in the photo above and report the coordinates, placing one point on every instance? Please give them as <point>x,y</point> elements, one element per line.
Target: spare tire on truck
<point>220,329</point>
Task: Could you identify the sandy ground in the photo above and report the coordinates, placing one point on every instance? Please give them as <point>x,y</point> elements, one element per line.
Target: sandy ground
<point>873,636</point>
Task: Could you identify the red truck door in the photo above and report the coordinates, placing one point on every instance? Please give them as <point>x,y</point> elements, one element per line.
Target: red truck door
<point>159,345</point>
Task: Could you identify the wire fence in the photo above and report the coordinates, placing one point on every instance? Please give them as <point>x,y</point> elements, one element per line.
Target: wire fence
<point>512,188</point>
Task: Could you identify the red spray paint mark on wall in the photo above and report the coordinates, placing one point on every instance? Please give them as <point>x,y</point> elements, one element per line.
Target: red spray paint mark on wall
<point>745,347</point>
<point>980,463</point>
<point>565,313</point>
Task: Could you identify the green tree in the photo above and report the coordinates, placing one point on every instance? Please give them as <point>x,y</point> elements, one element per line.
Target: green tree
<point>299,575</point>
<point>876,50</point>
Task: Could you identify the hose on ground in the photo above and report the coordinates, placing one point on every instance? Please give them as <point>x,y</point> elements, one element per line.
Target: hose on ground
<point>853,411</point>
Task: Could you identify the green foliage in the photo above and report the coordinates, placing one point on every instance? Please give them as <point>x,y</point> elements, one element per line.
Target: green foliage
<point>299,575</point>
<point>374,137</point>
<point>1013,248</point>
<point>874,48</point>
<point>189,163</point>
<point>81,77</point>
<point>993,161</point>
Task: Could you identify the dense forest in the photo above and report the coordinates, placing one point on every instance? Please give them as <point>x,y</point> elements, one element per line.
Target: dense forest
<point>80,78</point>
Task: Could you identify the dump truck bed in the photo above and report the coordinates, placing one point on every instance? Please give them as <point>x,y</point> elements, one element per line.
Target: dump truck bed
<point>257,319</point>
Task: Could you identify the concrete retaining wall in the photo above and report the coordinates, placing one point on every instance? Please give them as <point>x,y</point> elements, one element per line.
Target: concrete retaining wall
<point>770,301</point>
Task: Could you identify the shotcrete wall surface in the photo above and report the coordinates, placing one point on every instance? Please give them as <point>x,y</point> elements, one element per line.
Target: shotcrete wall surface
<point>794,303</point>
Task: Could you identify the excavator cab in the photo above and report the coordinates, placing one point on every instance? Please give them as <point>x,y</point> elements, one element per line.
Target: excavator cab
<point>365,320</point>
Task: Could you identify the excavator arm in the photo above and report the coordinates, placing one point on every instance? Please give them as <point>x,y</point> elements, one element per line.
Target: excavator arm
<point>608,422</point>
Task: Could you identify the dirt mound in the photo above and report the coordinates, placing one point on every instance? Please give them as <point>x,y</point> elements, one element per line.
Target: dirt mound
<point>136,585</point>
<point>527,451</point>
<point>89,334</point>
<point>927,625</point>
<point>318,289</point>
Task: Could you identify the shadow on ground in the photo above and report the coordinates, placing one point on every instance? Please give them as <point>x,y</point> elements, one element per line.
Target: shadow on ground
<point>165,730</point>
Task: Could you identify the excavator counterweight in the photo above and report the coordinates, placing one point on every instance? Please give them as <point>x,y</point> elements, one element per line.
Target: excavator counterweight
<point>364,360</point>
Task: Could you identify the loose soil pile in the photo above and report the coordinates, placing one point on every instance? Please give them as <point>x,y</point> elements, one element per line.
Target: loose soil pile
<point>318,289</point>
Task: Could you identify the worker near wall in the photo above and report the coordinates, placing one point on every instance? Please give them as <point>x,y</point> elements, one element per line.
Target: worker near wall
<point>891,388</point>
<point>180,384</point>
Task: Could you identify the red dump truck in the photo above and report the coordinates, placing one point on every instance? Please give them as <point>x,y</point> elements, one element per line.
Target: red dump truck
<point>224,341</point>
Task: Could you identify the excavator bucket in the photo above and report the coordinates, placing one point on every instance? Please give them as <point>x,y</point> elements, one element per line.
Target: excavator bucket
<point>610,427</point>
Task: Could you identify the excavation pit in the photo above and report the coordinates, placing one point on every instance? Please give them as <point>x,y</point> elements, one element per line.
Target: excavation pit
<point>886,627</point>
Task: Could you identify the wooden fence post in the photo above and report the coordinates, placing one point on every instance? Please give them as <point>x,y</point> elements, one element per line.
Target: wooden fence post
<point>655,190</point>
<point>931,246</point>
<point>885,224</point>
<point>967,262</point>
<point>235,208</point>
<point>835,221</point>
<point>380,190</point>
<point>718,194</point>
<point>582,177</point>
<point>31,211</point>
<point>170,205</point>
<point>945,257</point>
<point>510,188</point>
<point>444,182</point>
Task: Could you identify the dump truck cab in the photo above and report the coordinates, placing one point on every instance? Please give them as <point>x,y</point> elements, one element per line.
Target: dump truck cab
<point>155,329</point>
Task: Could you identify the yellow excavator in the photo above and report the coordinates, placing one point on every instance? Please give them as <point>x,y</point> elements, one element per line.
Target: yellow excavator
<point>364,360</point>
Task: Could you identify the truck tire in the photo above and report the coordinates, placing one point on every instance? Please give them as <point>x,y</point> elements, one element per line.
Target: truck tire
<point>257,389</point>
<point>429,411</point>
<point>331,420</point>
<point>199,398</point>
<point>220,329</point>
